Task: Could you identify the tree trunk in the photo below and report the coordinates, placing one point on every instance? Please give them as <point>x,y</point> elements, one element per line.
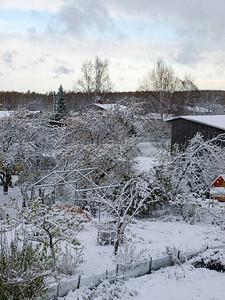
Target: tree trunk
<point>51,247</point>
<point>118,238</point>
<point>6,178</point>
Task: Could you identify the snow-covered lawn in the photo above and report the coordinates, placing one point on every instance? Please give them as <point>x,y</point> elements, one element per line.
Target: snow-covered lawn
<point>172,283</point>
<point>147,239</point>
<point>146,159</point>
<point>150,238</point>
<point>178,283</point>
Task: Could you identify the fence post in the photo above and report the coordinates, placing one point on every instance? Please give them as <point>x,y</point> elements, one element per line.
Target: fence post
<point>150,266</point>
<point>178,255</point>
<point>99,213</point>
<point>57,296</point>
<point>117,271</point>
<point>78,282</point>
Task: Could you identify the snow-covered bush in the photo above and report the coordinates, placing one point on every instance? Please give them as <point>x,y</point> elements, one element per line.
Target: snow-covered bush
<point>127,255</point>
<point>51,226</point>
<point>27,146</point>
<point>104,291</point>
<point>184,176</point>
<point>23,269</point>
<point>124,205</point>
<point>175,254</point>
<point>210,259</point>
<point>67,260</point>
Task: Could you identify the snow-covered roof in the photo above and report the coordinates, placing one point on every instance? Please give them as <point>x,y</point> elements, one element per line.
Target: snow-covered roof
<point>217,191</point>
<point>4,113</point>
<point>216,181</point>
<point>222,175</point>
<point>217,121</point>
<point>109,106</point>
<point>158,116</point>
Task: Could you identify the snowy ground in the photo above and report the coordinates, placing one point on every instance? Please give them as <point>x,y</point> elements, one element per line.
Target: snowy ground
<point>150,238</point>
<point>172,283</point>
<point>178,283</point>
<point>145,239</point>
<point>146,159</point>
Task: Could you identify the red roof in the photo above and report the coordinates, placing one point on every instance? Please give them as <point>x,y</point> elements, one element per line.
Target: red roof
<point>220,181</point>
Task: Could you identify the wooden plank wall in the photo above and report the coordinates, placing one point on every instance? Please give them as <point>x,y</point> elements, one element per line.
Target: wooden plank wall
<point>184,130</point>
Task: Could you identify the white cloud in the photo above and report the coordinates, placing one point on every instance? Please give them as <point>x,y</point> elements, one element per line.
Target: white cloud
<point>79,16</point>
<point>186,34</point>
<point>62,70</point>
<point>51,5</point>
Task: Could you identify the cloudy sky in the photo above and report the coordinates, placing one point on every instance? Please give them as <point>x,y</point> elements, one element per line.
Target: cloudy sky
<point>44,42</point>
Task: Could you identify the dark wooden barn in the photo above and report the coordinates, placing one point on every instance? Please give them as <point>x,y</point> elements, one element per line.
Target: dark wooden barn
<point>184,128</point>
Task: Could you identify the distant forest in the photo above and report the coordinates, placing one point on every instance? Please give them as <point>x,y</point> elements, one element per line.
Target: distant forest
<point>76,101</point>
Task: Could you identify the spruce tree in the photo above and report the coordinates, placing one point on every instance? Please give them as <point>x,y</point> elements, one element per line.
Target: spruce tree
<point>60,105</point>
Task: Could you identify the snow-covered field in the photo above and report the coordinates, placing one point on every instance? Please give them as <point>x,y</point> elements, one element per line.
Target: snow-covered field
<point>172,283</point>
<point>146,159</point>
<point>149,238</point>
<point>178,283</point>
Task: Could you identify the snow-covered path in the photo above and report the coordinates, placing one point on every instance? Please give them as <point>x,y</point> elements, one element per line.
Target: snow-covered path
<point>178,283</point>
<point>147,238</point>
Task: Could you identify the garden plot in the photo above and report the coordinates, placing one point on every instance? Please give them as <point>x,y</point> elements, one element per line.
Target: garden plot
<point>146,159</point>
<point>178,283</point>
<point>172,283</point>
<point>145,239</point>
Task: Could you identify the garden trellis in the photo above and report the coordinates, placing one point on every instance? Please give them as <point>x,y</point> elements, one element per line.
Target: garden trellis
<point>79,186</point>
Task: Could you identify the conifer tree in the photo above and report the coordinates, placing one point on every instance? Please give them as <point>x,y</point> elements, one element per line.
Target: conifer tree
<point>60,105</point>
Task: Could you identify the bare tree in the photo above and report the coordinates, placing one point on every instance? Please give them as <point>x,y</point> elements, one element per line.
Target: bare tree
<point>95,79</point>
<point>162,82</point>
<point>126,205</point>
<point>27,143</point>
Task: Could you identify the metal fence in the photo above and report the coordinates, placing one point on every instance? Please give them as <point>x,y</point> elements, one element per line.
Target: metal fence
<point>120,273</point>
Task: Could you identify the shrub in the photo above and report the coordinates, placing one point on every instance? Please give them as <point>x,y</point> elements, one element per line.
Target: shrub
<point>23,269</point>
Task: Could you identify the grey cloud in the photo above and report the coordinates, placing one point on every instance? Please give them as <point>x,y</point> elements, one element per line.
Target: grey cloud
<point>188,55</point>
<point>78,16</point>
<point>8,56</point>
<point>32,31</point>
<point>41,60</point>
<point>199,24</point>
<point>62,70</point>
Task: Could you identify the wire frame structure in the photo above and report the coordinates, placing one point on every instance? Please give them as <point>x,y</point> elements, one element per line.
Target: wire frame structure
<point>76,187</point>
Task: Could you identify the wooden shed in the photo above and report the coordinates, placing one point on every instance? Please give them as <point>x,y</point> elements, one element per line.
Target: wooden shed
<point>218,188</point>
<point>184,128</point>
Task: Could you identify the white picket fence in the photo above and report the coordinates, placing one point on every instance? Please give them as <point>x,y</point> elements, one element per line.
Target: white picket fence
<point>135,270</point>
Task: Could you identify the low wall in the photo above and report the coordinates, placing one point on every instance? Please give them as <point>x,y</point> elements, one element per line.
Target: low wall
<point>131,271</point>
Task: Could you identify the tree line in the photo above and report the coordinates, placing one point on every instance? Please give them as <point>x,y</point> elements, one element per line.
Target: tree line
<point>161,90</point>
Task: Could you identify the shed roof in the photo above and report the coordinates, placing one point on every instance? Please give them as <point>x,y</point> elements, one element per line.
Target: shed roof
<point>109,106</point>
<point>217,121</point>
<point>217,191</point>
<point>222,176</point>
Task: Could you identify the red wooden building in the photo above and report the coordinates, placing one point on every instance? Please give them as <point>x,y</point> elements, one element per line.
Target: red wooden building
<point>218,188</point>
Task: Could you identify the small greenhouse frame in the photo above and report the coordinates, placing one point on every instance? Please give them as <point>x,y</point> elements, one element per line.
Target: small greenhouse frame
<point>80,182</point>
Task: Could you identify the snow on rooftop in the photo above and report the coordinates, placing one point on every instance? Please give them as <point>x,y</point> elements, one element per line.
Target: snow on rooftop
<point>109,106</point>
<point>217,191</point>
<point>217,121</point>
<point>4,113</point>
